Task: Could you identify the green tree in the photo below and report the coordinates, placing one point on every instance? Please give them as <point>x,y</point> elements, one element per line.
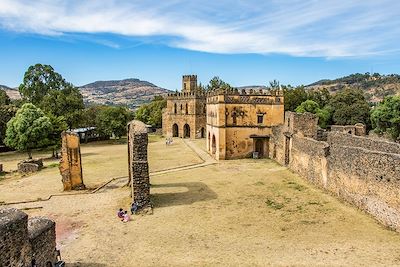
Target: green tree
<point>4,98</point>
<point>112,120</point>
<point>152,113</point>
<point>311,106</point>
<point>216,83</point>
<point>350,107</point>
<point>59,125</point>
<point>38,81</point>
<point>29,129</point>
<point>294,97</point>
<point>67,102</point>
<point>386,117</point>
<point>6,113</point>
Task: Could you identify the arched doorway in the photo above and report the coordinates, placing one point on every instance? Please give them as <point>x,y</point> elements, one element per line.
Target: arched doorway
<point>214,145</point>
<point>202,133</point>
<point>186,131</point>
<point>259,147</point>
<point>175,130</point>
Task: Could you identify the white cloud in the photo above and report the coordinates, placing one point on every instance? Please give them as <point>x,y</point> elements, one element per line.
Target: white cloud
<point>329,28</point>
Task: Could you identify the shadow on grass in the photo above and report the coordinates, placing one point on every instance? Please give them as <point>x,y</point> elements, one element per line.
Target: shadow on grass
<point>196,192</point>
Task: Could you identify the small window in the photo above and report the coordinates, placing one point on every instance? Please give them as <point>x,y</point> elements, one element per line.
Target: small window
<point>260,118</point>
<point>175,108</point>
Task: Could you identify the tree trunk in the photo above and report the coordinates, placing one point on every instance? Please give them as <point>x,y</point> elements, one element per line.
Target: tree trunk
<point>29,154</point>
<point>54,153</point>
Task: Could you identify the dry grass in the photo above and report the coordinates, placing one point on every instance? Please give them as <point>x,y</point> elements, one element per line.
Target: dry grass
<point>235,213</point>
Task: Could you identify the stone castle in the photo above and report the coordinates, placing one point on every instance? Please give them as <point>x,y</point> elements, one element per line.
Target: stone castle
<point>363,171</point>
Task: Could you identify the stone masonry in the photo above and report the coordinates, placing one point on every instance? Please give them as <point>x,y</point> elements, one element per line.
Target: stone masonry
<point>71,163</point>
<point>26,242</point>
<point>138,164</point>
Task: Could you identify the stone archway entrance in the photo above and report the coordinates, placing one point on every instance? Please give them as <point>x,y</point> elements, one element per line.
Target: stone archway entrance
<point>202,133</point>
<point>175,130</point>
<point>259,147</point>
<point>186,131</point>
<point>213,145</point>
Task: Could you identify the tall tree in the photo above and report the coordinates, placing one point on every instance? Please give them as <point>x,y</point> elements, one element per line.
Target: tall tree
<point>294,97</point>
<point>6,113</point>
<point>216,83</point>
<point>386,117</point>
<point>38,81</point>
<point>152,113</point>
<point>29,129</point>
<point>311,106</point>
<point>350,107</point>
<point>112,120</point>
<point>4,98</point>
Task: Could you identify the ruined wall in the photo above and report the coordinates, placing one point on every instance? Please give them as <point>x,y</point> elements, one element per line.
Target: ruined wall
<point>309,159</point>
<point>358,129</point>
<point>71,163</point>
<point>23,242</point>
<point>138,164</point>
<point>360,170</point>
<point>42,238</point>
<point>14,244</point>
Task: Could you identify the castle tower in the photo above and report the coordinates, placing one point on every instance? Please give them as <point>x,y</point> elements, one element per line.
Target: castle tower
<point>189,83</point>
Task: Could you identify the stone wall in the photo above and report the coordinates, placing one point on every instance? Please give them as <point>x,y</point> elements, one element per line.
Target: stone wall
<point>138,164</point>
<point>360,170</point>
<point>23,242</point>
<point>71,163</point>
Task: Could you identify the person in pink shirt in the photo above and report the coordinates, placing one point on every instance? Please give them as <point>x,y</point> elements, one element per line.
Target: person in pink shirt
<point>126,217</point>
<point>120,214</point>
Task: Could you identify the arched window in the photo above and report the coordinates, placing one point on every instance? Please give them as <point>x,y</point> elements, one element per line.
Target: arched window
<point>187,109</point>
<point>175,108</point>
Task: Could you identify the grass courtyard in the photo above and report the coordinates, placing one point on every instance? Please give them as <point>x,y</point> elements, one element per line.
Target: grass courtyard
<point>231,213</point>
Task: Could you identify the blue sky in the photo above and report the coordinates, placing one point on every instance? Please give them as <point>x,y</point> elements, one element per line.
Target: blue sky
<point>245,42</point>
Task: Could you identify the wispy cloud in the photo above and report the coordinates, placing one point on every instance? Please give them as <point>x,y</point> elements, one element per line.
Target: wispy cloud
<point>328,28</point>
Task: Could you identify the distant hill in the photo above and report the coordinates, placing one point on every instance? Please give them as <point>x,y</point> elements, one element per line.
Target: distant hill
<point>131,92</point>
<point>375,86</point>
<point>13,93</point>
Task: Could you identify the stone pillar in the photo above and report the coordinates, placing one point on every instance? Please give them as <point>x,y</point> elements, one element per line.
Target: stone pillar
<point>71,163</point>
<point>138,164</point>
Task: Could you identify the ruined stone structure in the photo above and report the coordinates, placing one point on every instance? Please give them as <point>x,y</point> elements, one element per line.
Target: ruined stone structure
<point>71,163</point>
<point>30,166</point>
<point>138,164</point>
<point>360,170</point>
<point>26,242</point>
<point>358,129</point>
<point>240,123</point>
<point>185,115</point>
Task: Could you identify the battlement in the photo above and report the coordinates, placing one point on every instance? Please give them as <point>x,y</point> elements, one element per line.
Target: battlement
<point>236,91</point>
<point>186,95</point>
<point>189,83</point>
<point>189,78</point>
<point>234,96</point>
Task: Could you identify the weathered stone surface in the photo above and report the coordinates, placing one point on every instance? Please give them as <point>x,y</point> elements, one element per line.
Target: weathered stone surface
<point>23,242</point>
<point>360,170</point>
<point>71,163</point>
<point>138,164</point>
<point>30,166</point>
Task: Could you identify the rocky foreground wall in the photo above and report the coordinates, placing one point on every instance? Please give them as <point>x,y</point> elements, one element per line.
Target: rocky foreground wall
<point>363,171</point>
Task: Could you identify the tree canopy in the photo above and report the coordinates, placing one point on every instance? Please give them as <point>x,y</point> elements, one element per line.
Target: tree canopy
<point>216,83</point>
<point>311,106</point>
<point>152,113</point>
<point>4,98</point>
<point>386,117</point>
<point>29,129</point>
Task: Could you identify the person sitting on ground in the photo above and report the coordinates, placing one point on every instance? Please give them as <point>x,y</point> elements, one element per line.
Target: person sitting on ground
<point>120,214</point>
<point>126,218</point>
<point>134,207</point>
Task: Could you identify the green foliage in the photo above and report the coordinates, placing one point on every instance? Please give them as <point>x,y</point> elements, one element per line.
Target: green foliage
<point>59,125</point>
<point>67,102</point>
<point>386,117</point>
<point>152,113</point>
<point>6,113</point>
<point>294,97</point>
<point>29,129</point>
<point>38,81</point>
<point>4,98</point>
<point>112,120</point>
<point>216,83</point>
<point>311,106</point>
<point>350,107</point>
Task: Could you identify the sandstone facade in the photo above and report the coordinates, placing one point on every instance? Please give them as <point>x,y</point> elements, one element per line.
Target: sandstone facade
<point>26,242</point>
<point>185,115</point>
<point>71,163</point>
<point>240,123</point>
